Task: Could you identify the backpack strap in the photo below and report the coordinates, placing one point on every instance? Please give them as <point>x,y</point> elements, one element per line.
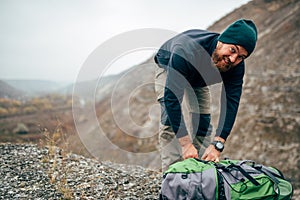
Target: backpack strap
<point>246,174</point>
<point>272,176</point>
<point>221,187</point>
<point>240,169</point>
<point>162,197</point>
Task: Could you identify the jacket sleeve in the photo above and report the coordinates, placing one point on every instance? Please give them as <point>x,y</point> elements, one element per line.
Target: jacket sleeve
<point>230,99</point>
<point>176,82</point>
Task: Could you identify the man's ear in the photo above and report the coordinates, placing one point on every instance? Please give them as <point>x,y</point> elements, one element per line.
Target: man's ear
<point>219,44</point>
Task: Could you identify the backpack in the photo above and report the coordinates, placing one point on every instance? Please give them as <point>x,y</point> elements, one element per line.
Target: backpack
<point>228,179</point>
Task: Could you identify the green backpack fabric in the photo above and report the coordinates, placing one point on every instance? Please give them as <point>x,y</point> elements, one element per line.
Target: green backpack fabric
<point>228,179</point>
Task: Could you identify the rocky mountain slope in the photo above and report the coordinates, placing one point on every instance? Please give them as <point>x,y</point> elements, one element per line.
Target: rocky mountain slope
<point>267,127</point>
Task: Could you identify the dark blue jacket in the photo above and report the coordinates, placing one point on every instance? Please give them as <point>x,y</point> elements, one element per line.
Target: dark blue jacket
<point>187,59</point>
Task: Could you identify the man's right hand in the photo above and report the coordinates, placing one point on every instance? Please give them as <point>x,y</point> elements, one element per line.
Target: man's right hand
<point>188,149</point>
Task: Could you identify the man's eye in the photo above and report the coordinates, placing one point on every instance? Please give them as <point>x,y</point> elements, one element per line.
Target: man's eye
<point>241,57</point>
<point>232,50</point>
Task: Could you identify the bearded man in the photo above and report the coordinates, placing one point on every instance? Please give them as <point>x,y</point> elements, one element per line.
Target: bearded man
<point>187,65</point>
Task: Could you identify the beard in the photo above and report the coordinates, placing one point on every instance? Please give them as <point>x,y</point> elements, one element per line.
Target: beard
<point>223,63</point>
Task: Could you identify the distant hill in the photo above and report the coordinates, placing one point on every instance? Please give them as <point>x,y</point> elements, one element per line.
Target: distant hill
<point>36,87</point>
<point>83,89</point>
<point>7,91</point>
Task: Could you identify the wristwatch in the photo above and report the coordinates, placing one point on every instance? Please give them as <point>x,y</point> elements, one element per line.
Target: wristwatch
<point>218,145</point>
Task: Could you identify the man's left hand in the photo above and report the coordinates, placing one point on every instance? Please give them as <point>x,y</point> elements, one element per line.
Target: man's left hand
<point>211,154</point>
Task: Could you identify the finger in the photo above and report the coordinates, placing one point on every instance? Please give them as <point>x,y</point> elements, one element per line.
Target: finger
<point>208,158</point>
<point>194,156</point>
<point>190,156</point>
<point>212,158</point>
<point>204,156</point>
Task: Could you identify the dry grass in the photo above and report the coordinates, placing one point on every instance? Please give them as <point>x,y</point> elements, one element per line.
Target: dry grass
<point>55,158</point>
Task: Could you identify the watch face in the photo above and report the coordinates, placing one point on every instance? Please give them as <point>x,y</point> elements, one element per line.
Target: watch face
<point>219,145</point>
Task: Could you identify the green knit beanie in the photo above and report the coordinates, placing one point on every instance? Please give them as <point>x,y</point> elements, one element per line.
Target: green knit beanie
<point>242,32</point>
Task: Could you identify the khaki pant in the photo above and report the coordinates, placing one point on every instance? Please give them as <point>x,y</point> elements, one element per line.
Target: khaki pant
<point>197,101</point>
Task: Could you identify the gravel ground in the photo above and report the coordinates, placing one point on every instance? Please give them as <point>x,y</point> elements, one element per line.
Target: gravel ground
<point>29,172</point>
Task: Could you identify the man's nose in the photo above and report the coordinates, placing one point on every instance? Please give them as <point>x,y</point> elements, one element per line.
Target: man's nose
<point>233,58</point>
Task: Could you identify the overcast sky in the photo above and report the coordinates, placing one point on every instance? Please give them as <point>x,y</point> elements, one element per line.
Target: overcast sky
<point>51,39</point>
